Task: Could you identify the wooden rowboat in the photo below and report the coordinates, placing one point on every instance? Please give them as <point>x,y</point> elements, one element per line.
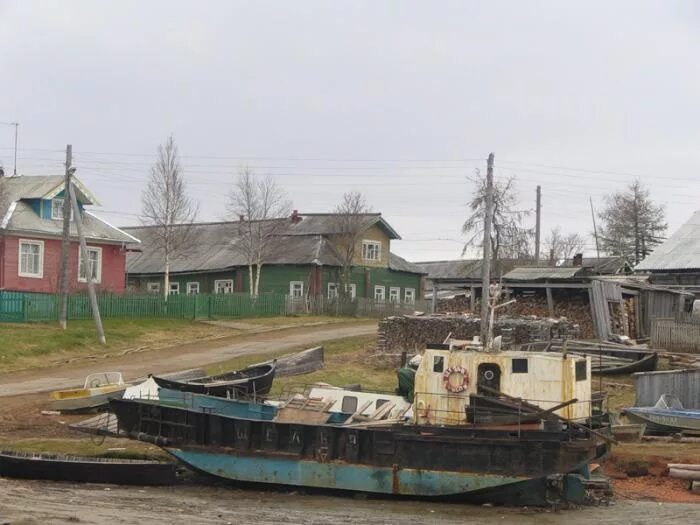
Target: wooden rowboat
<point>254,380</point>
<point>25,465</point>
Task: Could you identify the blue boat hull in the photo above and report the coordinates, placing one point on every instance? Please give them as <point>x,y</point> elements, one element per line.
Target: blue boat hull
<point>394,481</point>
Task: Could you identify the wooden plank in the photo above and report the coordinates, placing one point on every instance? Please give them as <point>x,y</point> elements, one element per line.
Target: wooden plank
<point>550,301</point>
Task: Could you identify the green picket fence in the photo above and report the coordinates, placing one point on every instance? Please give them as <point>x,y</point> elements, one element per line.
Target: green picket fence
<point>28,307</point>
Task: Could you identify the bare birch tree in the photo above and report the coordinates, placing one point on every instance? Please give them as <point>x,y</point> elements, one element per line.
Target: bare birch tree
<point>168,208</point>
<point>563,246</point>
<point>509,238</point>
<point>350,221</point>
<point>262,209</point>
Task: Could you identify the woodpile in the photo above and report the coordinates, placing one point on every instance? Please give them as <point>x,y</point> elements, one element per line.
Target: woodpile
<point>414,333</point>
<point>575,307</point>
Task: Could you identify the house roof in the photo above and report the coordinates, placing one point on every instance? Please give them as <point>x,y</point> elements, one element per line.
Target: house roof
<point>17,215</point>
<point>215,248</point>
<point>328,224</point>
<point>42,187</point>
<point>602,265</point>
<point>463,269</point>
<point>536,273</point>
<point>681,251</point>
<point>402,265</point>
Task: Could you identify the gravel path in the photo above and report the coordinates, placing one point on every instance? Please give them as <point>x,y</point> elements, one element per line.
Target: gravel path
<point>192,355</point>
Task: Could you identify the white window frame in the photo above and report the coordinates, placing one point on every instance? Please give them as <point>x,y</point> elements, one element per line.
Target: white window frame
<point>332,290</point>
<point>174,288</point>
<point>293,285</point>
<point>153,287</point>
<point>395,290</point>
<point>376,254</point>
<point>353,290</point>
<point>220,286</point>
<point>409,292</point>
<point>379,298</point>
<point>59,216</point>
<point>98,278</point>
<point>40,273</point>
<point>193,285</point>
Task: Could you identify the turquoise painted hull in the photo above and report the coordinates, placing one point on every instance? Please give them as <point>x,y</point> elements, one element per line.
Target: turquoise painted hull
<point>339,475</point>
<point>217,405</point>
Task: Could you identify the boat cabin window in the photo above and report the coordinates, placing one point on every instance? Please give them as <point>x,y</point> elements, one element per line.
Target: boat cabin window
<point>438,363</point>
<point>581,370</point>
<point>380,402</point>
<point>519,366</point>
<point>349,405</point>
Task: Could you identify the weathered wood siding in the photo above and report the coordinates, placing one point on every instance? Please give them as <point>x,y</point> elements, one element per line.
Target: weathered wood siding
<point>675,336</point>
<point>649,386</point>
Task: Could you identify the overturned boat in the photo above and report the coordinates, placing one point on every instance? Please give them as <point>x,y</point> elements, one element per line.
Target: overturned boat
<point>255,380</point>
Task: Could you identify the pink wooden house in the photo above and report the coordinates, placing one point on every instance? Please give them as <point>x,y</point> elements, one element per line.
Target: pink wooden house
<point>31,211</point>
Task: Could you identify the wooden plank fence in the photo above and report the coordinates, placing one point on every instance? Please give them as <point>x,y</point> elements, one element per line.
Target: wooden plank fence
<point>675,335</point>
<point>33,307</point>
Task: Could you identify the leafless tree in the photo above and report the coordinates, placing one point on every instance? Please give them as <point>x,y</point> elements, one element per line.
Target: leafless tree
<point>509,238</point>
<point>350,220</point>
<point>262,209</point>
<point>167,207</point>
<point>563,246</point>
<point>632,224</point>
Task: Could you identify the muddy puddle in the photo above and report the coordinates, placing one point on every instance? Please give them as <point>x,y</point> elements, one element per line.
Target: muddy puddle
<point>34,503</point>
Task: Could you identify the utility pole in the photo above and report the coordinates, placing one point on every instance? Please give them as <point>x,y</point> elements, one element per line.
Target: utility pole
<point>537,226</point>
<point>595,230</point>
<point>16,125</point>
<point>65,241</point>
<point>486,260</point>
<point>88,267</point>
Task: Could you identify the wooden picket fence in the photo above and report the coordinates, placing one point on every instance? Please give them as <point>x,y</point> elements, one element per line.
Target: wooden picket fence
<point>32,307</point>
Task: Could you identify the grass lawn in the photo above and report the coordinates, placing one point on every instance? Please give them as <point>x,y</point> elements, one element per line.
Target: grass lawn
<point>345,363</point>
<point>42,344</point>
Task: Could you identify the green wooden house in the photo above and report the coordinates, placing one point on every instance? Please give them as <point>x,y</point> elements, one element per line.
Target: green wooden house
<point>303,261</point>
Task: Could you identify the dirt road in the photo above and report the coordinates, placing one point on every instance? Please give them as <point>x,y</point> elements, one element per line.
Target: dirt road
<point>34,503</point>
<point>182,357</point>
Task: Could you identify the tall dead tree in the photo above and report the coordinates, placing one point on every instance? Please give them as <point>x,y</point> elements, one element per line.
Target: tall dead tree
<point>168,208</point>
<point>632,224</point>
<point>350,221</point>
<point>262,210</point>
<point>563,246</point>
<point>509,237</point>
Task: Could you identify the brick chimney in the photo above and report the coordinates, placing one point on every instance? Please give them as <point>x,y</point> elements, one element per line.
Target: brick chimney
<point>296,218</point>
<point>578,259</point>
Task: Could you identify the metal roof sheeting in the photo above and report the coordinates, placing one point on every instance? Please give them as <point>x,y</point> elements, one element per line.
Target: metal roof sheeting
<point>681,251</point>
<point>535,273</point>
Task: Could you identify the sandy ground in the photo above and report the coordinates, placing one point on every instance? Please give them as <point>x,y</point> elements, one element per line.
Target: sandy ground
<point>34,503</point>
<point>193,355</point>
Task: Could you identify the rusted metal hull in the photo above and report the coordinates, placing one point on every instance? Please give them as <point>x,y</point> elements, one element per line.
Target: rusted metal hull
<point>403,460</point>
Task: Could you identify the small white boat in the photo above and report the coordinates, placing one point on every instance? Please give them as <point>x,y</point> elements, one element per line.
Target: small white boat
<point>98,390</point>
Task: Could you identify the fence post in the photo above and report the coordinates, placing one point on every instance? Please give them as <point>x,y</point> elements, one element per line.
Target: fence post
<point>24,308</point>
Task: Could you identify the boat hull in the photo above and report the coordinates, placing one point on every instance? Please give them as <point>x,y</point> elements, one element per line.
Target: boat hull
<point>244,383</point>
<point>393,480</point>
<point>93,399</point>
<point>664,421</point>
<point>86,470</point>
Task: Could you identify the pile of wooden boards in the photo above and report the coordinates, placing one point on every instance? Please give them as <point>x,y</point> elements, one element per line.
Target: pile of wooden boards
<point>691,473</point>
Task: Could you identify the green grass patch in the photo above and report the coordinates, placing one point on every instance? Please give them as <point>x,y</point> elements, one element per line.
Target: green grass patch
<point>346,362</point>
<point>43,344</point>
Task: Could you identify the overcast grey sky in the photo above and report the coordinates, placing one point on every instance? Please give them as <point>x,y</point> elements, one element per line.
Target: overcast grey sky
<point>401,100</point>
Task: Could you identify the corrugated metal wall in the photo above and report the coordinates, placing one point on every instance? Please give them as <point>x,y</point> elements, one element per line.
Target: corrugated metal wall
<point>682,383</point>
